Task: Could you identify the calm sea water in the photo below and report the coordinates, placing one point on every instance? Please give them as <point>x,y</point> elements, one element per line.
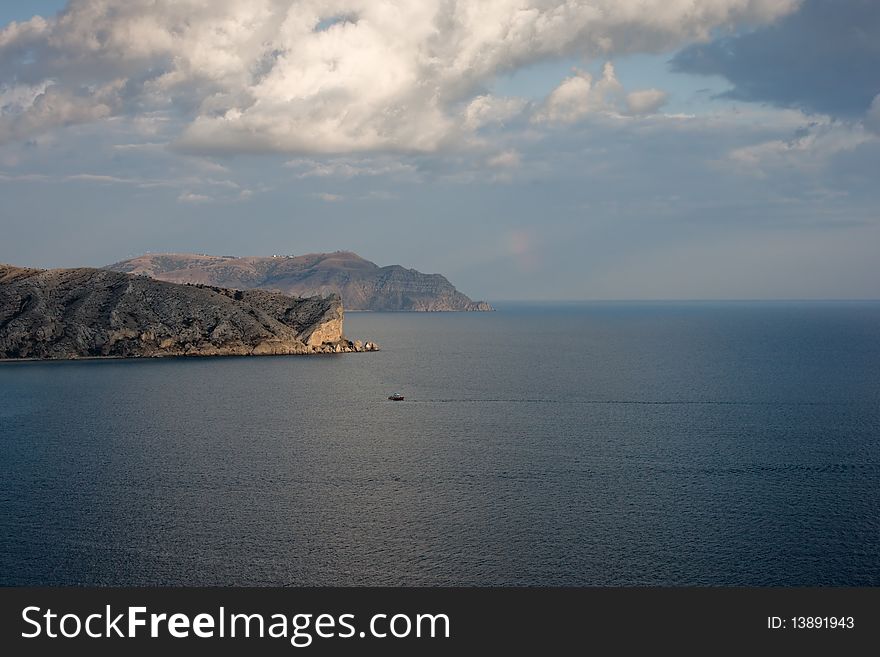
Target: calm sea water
<point>591,444</point>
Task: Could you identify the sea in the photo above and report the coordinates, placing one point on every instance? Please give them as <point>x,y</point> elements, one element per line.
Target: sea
<point>556,444</point>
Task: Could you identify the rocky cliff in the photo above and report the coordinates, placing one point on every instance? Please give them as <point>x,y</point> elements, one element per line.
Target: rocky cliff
<point>362,284</point>
<point>78,313</point>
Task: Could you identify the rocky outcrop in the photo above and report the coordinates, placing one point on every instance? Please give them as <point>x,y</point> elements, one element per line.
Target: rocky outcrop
<point>81,313</point>
<point>363,285</point>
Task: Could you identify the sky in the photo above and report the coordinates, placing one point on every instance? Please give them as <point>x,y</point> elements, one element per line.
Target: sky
<point>526,149</point>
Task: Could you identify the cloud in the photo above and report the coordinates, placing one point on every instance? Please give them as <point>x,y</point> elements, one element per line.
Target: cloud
<point>326,76</point>
<point>329,198</point>
<point>140,182</point>
<point>198,199</point>
<point>17,36</point>
<point>872,120</point>
<point>577,96</point>
<point>509,159</point>
<point>824,58</point>
<point>32,109</point>
<point>809,150</point>
<point>15,99</point>
<point>190,197</point>
<point>24,177</point>
<point>349,167</point>
<point>379,195</point>
<point>143,146</point>
<point>486,110</point>
<point>569,101</point>
<point>645,101</point>
<point>108,180</point>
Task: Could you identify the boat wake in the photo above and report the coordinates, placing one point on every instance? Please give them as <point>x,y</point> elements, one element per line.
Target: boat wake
<point>638,402</point>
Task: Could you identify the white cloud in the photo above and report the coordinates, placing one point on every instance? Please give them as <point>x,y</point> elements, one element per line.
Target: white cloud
<point>569,101</point>
<point>578,96</point>
<point>24,177</point>
<point>190,197</point>
<point>18,35</point>
<point>808,151</point>
<point>487,110</point>
<point>33,109</point>
<point>645,101</point>
<point>144,146</point>
<point>193,188</point>
<point>106,179</point>
<point>509,159</point>
<point>349,167</point>
<point>329,198</point>
<point>257,76</point>
<point>18,98</point>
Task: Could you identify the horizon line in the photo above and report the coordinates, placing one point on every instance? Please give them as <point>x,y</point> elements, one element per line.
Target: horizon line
<point>697,300</point>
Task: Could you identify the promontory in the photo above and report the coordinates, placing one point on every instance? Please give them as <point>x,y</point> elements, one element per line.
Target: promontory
<point>363,285</point>
<point>88,313</point>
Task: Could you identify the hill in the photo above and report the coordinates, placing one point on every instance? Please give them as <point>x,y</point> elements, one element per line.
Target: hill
<point>76,313</point>
<point>363,285</point>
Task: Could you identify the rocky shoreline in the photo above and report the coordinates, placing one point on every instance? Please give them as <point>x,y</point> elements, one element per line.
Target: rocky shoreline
<point>346,347</point>
<point>343,347</point>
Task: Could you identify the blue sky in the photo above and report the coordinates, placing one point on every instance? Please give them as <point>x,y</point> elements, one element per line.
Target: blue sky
<point>22,11</point>
<point>576,150</point>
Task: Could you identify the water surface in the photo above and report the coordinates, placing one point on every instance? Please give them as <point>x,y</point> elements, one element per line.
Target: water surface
<point>578,444</point>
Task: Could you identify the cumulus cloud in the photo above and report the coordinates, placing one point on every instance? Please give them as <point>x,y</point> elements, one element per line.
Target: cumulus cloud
<point>578,95</point>
<point>485,110</point>
<point>33,108</point>
<point>569,101</point>
<point>16,99</point>
<point>327,76</point>
<point>645,101</point>
<point>19,35</point>
<point>824,58</point>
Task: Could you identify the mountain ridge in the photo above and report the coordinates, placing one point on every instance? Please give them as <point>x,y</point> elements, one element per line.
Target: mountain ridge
<point>362,284</point>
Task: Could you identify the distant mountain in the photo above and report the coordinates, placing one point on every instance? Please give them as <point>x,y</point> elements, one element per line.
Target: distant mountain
<point>80,313</point>
<point>363,285</point>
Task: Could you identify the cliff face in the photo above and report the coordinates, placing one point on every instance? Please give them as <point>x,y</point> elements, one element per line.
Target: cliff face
<point>363,285</point>
<point>77,313</point>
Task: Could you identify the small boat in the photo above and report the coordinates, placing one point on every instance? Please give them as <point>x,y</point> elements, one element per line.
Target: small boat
<point>396,397</point>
